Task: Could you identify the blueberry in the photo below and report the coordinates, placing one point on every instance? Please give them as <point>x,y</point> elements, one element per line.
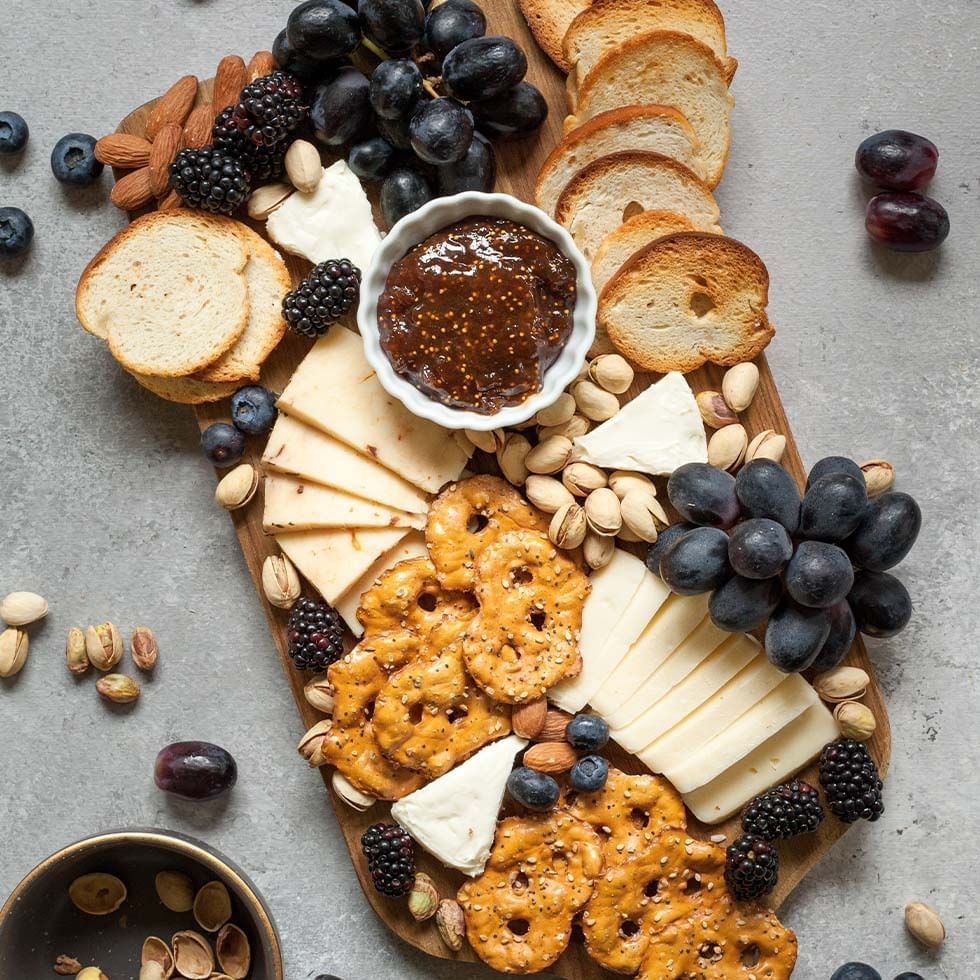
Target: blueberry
<point>73,160</point>
<point>587,732</point>
<point>16,232</point>
<point>665,539</point>
<point>589,775</point>
<point>13,133</point>
<point>856,971</point>
<point>909,976</point>
<point>253,409</point>
<point>533,789</point>
<point>223,444</point>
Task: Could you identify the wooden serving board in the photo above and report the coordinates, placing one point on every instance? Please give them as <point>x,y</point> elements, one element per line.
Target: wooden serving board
<point>518,165</point>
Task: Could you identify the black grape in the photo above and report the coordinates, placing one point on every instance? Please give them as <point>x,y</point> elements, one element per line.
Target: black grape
<point>665,539</point>
<point>819,574</point>
<point>887,533</point>
<point>697,562</point>
<point>477,171</point>
<point>703,494</point>
<point>765,489</point>
<point>340,110</point>
<point>323,30</point>
<point>833,464</point>
<point>881,604</point>
<point>372,158</point>
<point>450,24</point>
<point>403,192</point>
<point>517,113</point>
<point>795,636</point>
<point>742,604</point>
<point>396,25</point>
<point>396,87</point>
<point>840,638</point>
<point>441,131</point>
<point>759,548</point>
<point>833,507</point>
<point>483,67</point>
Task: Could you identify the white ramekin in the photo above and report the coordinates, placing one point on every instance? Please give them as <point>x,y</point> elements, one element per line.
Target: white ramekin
<point>415,228</point>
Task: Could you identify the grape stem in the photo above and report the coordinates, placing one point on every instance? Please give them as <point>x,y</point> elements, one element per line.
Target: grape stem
<point>383,55</point>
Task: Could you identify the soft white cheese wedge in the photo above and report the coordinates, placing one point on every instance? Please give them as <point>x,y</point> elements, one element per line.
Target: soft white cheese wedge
<point>332,222</point>
<point>657,432</point>
<point>455,816</point>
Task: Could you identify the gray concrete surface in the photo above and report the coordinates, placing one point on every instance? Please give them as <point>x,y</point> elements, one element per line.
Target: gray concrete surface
<point>106,502</point>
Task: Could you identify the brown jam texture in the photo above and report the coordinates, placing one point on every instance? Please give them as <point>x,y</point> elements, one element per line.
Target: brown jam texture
<point>476,314</point>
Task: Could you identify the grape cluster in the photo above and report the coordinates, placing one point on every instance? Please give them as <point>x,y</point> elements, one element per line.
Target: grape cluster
<point>421,121</point>
<point>814,568</point>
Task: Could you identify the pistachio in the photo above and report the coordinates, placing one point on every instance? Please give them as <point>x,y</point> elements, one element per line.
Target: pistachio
<point>726,447</point>
<point>739,385</point>
<point>598,550</point>
<point>924,924</point>
<point>512,457</point>
<point>75,653</point>
<point>91,973</point>
<point>233,952</point>
<point>627,536</point>
<point>612,372</point>
<point>558,412</point>
<point>576,426</point>
<point>143,648</point>
<point>238,487</point>
<point>66,966</point>
<point>13,651</point>
<point>97,893</point>
<point>547,493</point>
<point>319,693</point>
<point>22,608</point>
<point>280,581</point>
<point>623,481</point>
<point>212,906</point>
<point>152,971</point>
<point>594,402</point>
<point>175,891</point>
<point>350,794</point>
<point>856,720</point>
<point>311,744</point>
<point>155,950</point>
<point>451,923</point>
<point>603,512</point>
<point>192,955</point>
<point>104,646</point>
<point>879,475</point>
<point>118,688</point>
<point>841,684</point>
<point>581,479</point>
<point>489,442</point>
<point>568,525</point>
<point>639,514</point>
<point>766,445</point>
<point>549,456</point>
<point>266,199</point>
<point>714,411</point>
<point>423,899</point>
<point>303,166</point>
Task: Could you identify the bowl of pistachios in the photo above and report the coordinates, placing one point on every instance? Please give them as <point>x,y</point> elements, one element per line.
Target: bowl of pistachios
<point>138,903</point>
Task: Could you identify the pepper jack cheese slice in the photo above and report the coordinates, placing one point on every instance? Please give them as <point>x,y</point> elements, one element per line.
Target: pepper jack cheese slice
<point>334,560</point>
<point>335,389</point>
<point>300,450</point>
<point>455,816</point>
<point>776,760</point>
<point>614,588</point>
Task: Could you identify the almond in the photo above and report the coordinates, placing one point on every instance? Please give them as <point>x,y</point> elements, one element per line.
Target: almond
<point>527,720</point>
<point>123,150</point>
<point>197,129</point>
<point>174,106</point>
<point>555,723</point>
<point>262,63</point>
<point>550,757</point>
<point>229,80</point>
<point>165,148</point>
<point>133,190</point>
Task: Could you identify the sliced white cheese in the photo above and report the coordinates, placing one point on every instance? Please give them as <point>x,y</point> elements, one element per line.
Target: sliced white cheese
<point>675,620</point>
<point>455,816</point>
<point>292,504</point>
<point>741,693</point>
<point>688,770</point>
<point>657,432</point>
<point>334,560</point>
<point>773,762</point>
<point>336,390</point>
<point>613,589</point>
<point>332,222</point>
<point>300,450</point>
<point>411,546</point>
<point>691,693</point>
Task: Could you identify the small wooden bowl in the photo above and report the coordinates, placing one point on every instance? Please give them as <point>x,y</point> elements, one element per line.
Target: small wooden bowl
<point>39,922</point>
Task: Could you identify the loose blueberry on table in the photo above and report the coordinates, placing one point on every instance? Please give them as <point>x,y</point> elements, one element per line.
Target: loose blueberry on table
<point>13,133</point>
<point>16,232</point>
<point>73,160</point>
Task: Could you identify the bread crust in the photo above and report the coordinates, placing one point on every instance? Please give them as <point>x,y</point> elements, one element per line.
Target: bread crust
<point>186,391</point>
<point>549,20</point>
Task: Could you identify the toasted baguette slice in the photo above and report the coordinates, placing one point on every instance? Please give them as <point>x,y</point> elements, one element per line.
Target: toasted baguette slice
<point>659,128</point>
<point>168,293</point>
<point>669,68</point>
<point>606,193</point>
<point>549,20</point>
<point>267,280</point>
<point>687,299</point>
<point>607,23</point>
<point>187,391</point>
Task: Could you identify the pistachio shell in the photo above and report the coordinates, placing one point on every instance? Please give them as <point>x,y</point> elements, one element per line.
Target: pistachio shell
<point>311,744</point>
<point>212,906</point>
<point>351,795</point>
<point>423,899</point>
<point>13,651</point>
<point>879,475</point>
<point>594,402</point>
<point>766,445</point>
<point>726,447</point>
<point>489,442</point>
<point>97,893</point>
<point>856,720</point>
<point>576,426</point>
<point>603,512</point>
<point>303,166</point>
<point>319,693</point>
<point>104,646</point>
<point>22,608</point>
<point>598,550</point>
<point>841,684</point>
<point>233,952</point>
<point>739,386</point>
<point>152,971</point>
<point>924,924</point>
<point>581,479</point>
<point>714,410</point>
<point>192,955</point>
<point>266,199</point>
<point>621,482</point>
<point>155,950</point>
<point>280,581</point>
<point>512,459</point>
<point>237,487</point>
<point>547,493</point>
<point>175,891</point>
<point>568,526</point>
<point>91,973</point>
<point>638,509</point>
<point>612,372</point>
<point>549,456</point>
<point>558,412</point>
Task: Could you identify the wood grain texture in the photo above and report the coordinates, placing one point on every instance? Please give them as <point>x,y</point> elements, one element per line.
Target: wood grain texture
<point>518,165</point>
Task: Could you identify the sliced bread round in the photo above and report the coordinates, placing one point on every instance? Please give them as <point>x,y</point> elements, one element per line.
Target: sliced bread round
<point>549,20</point>
<point>665,67</point>
<point>687,299</point>
<point>658,128</point>
<point>187,391</point>
<point>611,190</point>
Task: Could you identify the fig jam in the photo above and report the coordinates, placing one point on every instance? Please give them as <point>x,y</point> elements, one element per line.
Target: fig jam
<point>476,314</point>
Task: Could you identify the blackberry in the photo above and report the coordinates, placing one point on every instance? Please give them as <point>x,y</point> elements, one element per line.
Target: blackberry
<point>262,162</point>
<point>391,858</point>
<point>315,633</point>
<point>850,779</point>
<point>209,179</point>
<point>326,294</point>
<point>783,812</point>
<point>751,868</point>
<point>270,108</point>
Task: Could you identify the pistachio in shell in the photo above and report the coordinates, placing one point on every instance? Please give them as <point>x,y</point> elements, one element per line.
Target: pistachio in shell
<point>233,951</point>
<point>212,906</point>
<point>152,971</point>
<point>192,955</point>
<point>175,890</point>
<point>155,950</point>
<point>97,893</point>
